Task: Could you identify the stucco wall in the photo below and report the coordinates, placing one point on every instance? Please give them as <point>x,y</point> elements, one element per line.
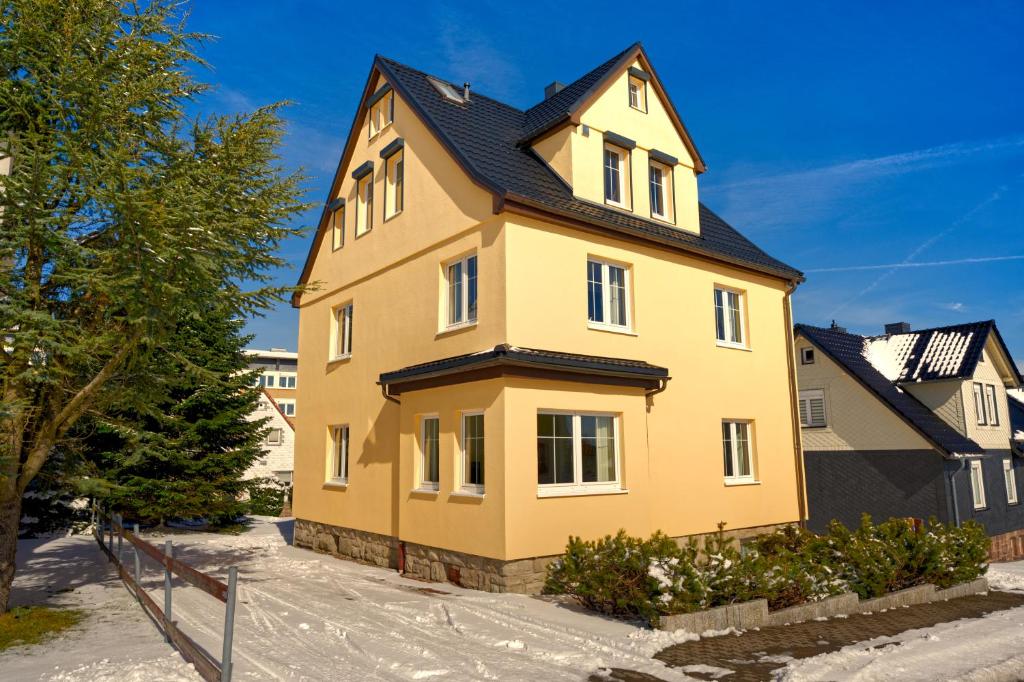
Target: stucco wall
<point>856,419</point>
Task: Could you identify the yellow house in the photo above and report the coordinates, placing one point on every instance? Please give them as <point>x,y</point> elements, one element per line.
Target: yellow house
<point>524,326</point>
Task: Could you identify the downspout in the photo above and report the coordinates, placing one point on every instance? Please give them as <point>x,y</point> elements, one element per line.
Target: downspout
<point>952,490</point>
<point>388,396</point>
<point>794,405</point>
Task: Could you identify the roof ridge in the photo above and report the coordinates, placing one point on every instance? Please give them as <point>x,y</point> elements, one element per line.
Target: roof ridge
<point>979,323</point>
<point>448,82</point>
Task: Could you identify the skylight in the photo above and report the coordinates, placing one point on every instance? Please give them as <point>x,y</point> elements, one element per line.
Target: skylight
<point>447,91</point>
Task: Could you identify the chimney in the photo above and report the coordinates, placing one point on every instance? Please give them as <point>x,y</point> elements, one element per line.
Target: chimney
<point>465,91</point>
<point>836,328</point>
<point>553,89</point>
<point>897,328</point>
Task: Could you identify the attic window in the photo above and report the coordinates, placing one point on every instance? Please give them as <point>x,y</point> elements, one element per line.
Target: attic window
<point>806,356</point>
<point>382,110</point>
<point>637,94</point>
<point>447,91</point>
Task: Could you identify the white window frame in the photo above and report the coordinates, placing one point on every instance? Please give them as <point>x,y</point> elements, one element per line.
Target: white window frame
<point>737,479</point>
<point>272,440</point>
<point>463,485</point>
<point>364,204</point>
<point>623,169</point>
<point>341,339</point>
<point>641,94</point>
<point>382,116</point>
<point>978,484</point>
<point>280,378</point>
<point>284,404</point>
<point>578,486</point>
<point>729,328</point>
<point>991,405</point>
<point>338,228</point>
<point>463,303</point>
<point>981,416</point>
<point>423,483</point>
<point>805,408</point>
<point>394,191</point>
<point>1010,481</point>
<point>667,192</point>
<point>807,356</point>
<point>338,460</point>
<point>606,295</point>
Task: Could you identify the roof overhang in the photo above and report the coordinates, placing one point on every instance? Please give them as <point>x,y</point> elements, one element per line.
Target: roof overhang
<point>504,360</point>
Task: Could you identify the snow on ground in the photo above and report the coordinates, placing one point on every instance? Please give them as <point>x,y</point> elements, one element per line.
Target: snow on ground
<point>1007,576</point>
<point>306,616</point>
<point>303,615</point>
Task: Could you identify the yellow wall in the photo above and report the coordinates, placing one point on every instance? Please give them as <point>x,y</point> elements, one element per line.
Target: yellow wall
<point>987,436</point>
<point>652,130</point>
<point>856,418</point>
<point>556,150</point>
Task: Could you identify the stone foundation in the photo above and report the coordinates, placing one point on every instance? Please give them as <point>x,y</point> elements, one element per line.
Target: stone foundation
<point>524,576</point>
<point>1008,546</point>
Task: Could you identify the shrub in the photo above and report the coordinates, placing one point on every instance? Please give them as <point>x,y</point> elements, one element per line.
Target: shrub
<point>266,496</point>
<point>635,578</point>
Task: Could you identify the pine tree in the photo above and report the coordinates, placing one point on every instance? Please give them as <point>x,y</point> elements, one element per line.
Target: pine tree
<point>184,457</point>
<point>119,218</point>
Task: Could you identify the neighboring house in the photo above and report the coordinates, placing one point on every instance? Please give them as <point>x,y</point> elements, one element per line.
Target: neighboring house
<point>911,424</point>
<point>1016,401</point>
<point>502,299</point>
<point>279,374</point>
<point>278,459</point>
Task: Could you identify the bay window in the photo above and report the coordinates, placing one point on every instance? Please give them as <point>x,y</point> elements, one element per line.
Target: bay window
<point>577,452</point>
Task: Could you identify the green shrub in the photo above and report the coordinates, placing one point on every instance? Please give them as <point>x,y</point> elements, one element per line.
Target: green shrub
<point>635,578</point>
<point>266,496</point>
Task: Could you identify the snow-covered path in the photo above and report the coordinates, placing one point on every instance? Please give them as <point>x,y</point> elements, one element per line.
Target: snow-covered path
<point>306,616</point>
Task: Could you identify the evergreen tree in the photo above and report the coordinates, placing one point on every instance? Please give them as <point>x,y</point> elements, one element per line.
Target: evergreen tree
<point>119,219</point>
<point>185,455</point>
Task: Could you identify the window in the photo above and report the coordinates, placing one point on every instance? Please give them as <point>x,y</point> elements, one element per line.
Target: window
<point>637,94</point>
<point>577,452</point>
<point>286,380</point>
<point>473,452</point>
<point>382,113</point>
<point>1010,477</point>
<point>990,404</point>
<point>274,436</point>
<point>729,318</point>
<point>287,407</point>
<point>607,295</point>
<point>267,380</point>
<point>343,331</point>
<point>430,445</point>
<point>806,356</point>
<point>338,228</point>
<point>616,171</point>
<point>394,188</point>
<point>979,404</point>
<point>977,484</point>
<point>461,278</point>
<point>339,454</point>
<point>660,180</point>
<point>736,449</point>
<point>364,207</point>
<point>812,408</point>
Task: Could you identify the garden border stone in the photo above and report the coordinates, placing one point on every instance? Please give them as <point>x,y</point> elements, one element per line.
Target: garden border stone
<point>755,614</point>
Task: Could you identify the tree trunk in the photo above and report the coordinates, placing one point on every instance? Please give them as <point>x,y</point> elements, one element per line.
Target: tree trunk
<point>10,516</point>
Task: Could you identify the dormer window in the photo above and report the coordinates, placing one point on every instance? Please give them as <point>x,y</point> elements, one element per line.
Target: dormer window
<point>660,178</point>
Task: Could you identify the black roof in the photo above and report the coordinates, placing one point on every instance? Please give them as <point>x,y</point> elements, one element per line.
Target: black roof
<point>505,354</point>
<point>950,352</point>
<point>484,136</point>
<point>1016,405</point>
<point>847,350</point>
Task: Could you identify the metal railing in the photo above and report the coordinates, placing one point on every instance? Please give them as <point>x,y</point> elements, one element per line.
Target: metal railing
<point>209,668</point>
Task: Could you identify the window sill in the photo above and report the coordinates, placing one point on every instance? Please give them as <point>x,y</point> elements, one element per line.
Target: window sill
<point>339,359</point>
<point>663,219</point>
<point>426,492</point>
<point>598,327</point>
<point>360,235</point>
<point>455,328</point>
<point>733,346</point>
<point>471,494</point>
<point>392,216</point>
<point>579,492</point>
<point>621,207</point>
<point>737,482</point>
<point>336,484</point>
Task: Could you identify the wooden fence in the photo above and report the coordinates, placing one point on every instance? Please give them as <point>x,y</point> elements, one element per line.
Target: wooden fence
<point>210,669</point>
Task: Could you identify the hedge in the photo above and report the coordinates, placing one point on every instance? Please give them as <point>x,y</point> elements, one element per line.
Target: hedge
<point>635,578</point>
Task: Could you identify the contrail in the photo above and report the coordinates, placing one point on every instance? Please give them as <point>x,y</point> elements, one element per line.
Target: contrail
<point>961,261</point>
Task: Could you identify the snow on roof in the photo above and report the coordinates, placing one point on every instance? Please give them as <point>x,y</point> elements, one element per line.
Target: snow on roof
<point>928,354</point>
<point>273,353</point>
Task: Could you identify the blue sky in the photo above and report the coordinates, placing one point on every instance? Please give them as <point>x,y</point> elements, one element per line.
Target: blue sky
<point>879,147</point>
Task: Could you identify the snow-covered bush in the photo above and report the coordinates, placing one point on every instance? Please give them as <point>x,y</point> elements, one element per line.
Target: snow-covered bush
<point>635,578</point>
